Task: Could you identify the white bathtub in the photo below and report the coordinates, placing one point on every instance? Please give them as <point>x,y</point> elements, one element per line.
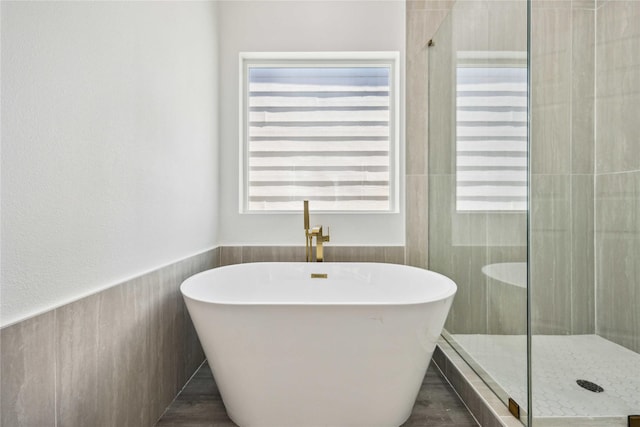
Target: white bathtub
<point>288,350</point>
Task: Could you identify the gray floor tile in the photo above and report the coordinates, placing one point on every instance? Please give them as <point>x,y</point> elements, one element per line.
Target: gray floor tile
<point>199,405</point>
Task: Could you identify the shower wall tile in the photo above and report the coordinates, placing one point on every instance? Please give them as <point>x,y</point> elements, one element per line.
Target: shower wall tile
<point>462,258</point>
<point>421,27</point>
<point>440,214</point>
<point>471,24</point>
<point>506,308</point>
<point>117,357</point>
<point>583,4</point>
<point>424,18</point>
<point>416,121</point>
<point>551,130</point>
<point>618,87</point>
<point>507,229</point>
<point>618,133</point>
<point>617,255</point>
<point>550,254</point>
<point>417,221</point>
<point>415,5</point>
<point>582,135</point>
<point>583,261</point>
<point>551,4</point>
<point>468,313</point>
<point>508,17</point>
<point>441,122</point>
<point>551,90</point>
<point>506,303</point>
<point>27,395</point>
<point>583,91</point>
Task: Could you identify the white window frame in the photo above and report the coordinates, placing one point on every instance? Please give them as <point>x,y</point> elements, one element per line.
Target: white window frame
<point>322,59</point>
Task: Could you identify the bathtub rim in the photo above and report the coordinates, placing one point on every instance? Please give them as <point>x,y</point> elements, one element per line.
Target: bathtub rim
<point>448,293</point>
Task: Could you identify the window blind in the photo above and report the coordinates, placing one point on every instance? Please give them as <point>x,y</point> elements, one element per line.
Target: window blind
<point>491,133</point>
<point>321,134</point>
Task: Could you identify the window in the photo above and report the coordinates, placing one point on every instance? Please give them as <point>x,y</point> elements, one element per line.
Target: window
<point>321,127</point>
<point>491,131</point>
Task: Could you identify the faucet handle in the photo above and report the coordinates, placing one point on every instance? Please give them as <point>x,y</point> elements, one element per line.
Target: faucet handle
<point>306,214</point>
<point>327,237</point>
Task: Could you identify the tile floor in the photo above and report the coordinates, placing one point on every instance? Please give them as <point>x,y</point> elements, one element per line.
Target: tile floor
<point>199,404</point>
<point>558,361</point>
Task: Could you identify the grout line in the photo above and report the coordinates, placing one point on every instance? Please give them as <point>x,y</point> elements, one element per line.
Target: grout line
<point>617,173</point>
<point>55,368</point>
<point>594,204</point>
<point>180,391</point>
<point>571,201</point>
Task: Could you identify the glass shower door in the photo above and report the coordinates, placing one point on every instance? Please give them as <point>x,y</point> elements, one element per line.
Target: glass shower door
<point>478,183</point>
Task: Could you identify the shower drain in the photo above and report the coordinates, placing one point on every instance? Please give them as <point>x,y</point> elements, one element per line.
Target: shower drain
<point>590,386</point>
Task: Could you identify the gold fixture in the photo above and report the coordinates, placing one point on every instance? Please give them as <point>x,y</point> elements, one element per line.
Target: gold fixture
<point>319,275</point>
<point>309,234</point>
<point>514,408</point>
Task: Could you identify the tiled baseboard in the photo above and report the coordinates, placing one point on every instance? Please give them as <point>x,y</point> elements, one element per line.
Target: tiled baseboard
<point>483,404</point>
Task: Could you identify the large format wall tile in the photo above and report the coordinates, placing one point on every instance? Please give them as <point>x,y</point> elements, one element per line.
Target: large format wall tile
<point>506,302</point>
<point>440,217</point>
<point>27,369</point>
<point>77,362</point>
<point>123,345</point>
<point>617,196</point>
<point>550,246</point>
<point>238,255</point>
<point>582,255</point>
<point>441,121</point>
<point>583,91</point>
<point>551,90</point>
<point>617,255</point>
<point>417,221</point>
<point>115,358</point>
<point>618,86</point>
<point>274,253</point>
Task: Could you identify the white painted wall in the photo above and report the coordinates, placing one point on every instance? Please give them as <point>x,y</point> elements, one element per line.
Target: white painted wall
<point>109,145</point>
<point>283,26</point>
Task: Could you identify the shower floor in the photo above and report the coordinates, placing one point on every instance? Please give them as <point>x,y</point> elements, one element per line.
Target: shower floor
<point>558,361</point>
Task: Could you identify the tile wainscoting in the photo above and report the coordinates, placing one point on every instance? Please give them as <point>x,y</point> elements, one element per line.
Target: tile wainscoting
<point>119,357</point>
<point>114,358</point>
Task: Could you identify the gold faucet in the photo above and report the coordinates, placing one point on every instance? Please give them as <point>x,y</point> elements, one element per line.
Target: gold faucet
<point>310,233</point>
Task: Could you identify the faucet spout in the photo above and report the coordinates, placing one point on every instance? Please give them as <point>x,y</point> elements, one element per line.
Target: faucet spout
<point>308,238</point>
<point>309,234</point>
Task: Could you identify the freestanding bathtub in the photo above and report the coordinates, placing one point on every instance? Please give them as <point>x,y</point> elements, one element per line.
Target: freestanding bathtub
<point>318,344</point>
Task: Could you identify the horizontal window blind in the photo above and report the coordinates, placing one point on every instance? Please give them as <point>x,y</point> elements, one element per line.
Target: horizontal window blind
<point>491,135</point>
<point>318,133</point>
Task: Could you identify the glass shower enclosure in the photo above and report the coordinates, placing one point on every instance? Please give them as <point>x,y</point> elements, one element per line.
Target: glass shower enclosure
<point>534,201</point>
